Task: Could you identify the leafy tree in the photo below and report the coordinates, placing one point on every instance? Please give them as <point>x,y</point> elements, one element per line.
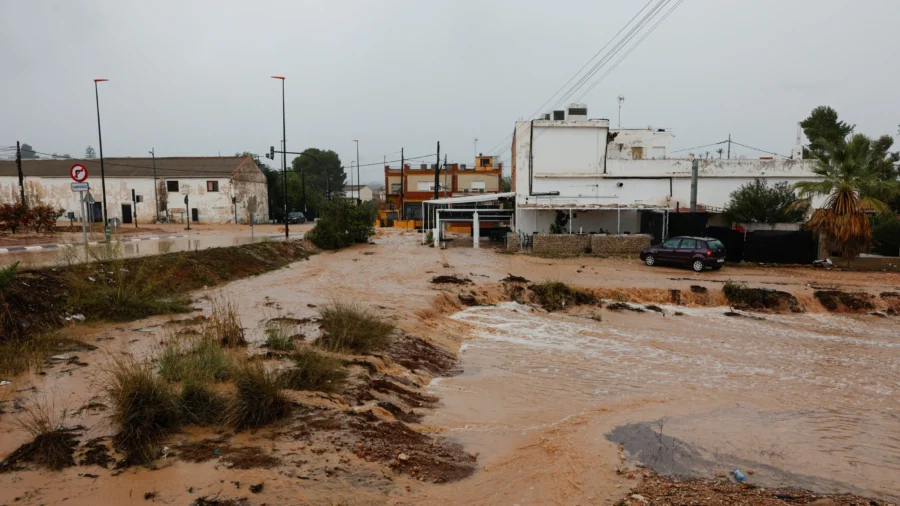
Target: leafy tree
<point>506,184</point>
<point>28,152</point>
<point>323,171</point>
<point>757,202</point>
<point>90,153</point>
<point>823,125</point>
<point>342,223</point>
<point>853,185</point>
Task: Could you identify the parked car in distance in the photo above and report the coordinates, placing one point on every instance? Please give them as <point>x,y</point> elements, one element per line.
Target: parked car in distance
<point>296,217</point>
<point>697,252</point>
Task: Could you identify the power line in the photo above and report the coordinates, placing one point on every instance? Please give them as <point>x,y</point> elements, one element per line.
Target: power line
<point>757,149</point>
<point>699,147</point>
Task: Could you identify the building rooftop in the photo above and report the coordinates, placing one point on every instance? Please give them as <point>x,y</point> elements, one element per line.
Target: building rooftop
<point>170,167</point>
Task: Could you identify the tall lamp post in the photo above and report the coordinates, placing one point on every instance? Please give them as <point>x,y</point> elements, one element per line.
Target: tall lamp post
<point>155,196</point>
<point>284,156</point>
<point>351,177</point>
<point>102,172</point>
<point>358,180</point>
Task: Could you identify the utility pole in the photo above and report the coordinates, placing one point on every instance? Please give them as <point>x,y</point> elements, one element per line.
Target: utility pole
<point>102,172</point>
<point>283,156</point>
<point>695,168</point>
<point>358,180</point>
<point>729,146</point>
<point>446,186</point>
<point>21,174</point>
<point>155,197</point>
<point>402,184</point>
<point>475,149</point>
<point>621,101</point>
<point>437,171</point>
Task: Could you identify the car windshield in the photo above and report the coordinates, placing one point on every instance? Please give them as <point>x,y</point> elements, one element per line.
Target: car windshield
<point>715,245</point>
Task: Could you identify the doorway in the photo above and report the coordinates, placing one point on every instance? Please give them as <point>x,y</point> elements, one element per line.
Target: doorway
<point>126,213</point>
<point>195,215</point>
<point>97,212</point>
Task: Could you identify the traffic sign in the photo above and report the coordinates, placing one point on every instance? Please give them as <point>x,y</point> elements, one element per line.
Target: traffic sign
<point>80,187</point>
<point>79,173</point>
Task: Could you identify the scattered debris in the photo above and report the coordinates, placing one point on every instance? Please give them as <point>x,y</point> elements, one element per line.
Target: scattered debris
<point>450,279</point>
<point>679,313</point>
<point>467,299</point>
<point>619,306</point>
<point>654,307</point>
<point>675,296</point>
<point>742,297</point>
<point>149,495</point>
<point>511,278</point>
<point>215,501</point>
<point>699,289</point>
<point>96,453</point>
<point>51,450</point>
<point>555,295</point>
<point>258,487</point>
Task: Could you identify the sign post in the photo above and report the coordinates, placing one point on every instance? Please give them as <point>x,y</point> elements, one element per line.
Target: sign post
<point>79,174</point>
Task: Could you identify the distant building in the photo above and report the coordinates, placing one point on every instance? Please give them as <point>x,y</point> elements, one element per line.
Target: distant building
<point>408,188</point>
<point>219,189</point>
<point>361,192</point>
<point>604,180</point>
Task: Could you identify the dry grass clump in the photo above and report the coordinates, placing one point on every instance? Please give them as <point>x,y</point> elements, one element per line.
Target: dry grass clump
<point>352,328</point>
<point>145,408</point>
<point>555,295</point>
<point>258,399</point>
<point>314,371</point>
<point>224,324</point>
<point>199,359</point>
<point>202,404</point>
<point>52,445</point>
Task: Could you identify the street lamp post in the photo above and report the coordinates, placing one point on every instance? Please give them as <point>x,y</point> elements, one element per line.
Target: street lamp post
<point>102,172</point>
<point>351,176</point>
<point>284,156</point>
<point>358,180</point>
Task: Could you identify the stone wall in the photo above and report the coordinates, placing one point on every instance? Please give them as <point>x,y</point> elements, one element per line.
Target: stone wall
<point>512,242</point>
<point>561,243</point>
<point>619,244</point>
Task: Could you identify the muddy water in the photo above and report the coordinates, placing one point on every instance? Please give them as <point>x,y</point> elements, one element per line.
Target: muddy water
<point>806,400</point>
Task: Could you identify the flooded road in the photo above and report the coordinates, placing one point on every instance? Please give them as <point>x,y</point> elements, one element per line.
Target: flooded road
<point>799,400</point>
<point>545,400</point>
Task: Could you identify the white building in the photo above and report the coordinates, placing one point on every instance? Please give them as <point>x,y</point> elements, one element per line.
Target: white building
<point>219,189</point>
<point>361,192</point>
<point>577,166</point>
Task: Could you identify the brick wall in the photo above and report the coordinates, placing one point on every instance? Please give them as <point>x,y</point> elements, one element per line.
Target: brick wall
<point>512,242</point>
<point>561,243</point>
<point>619,244</point>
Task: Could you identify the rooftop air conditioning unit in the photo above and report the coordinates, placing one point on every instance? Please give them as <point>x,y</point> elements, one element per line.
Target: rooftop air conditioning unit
<point>578,111</point>
<point>462,166</point>
<point>546,116</point>
<point>559,115</point>
<point>433,166</point>
<point>423,166</point>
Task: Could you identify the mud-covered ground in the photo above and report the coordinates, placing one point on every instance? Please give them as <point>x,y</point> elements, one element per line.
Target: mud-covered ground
<point>508,404</point>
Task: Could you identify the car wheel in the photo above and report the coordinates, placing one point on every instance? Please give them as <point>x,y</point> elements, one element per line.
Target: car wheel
<point>697,265</point>
<point>650,260</point>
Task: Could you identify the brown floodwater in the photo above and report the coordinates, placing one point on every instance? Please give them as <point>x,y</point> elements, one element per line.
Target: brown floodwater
<point>545,400</point>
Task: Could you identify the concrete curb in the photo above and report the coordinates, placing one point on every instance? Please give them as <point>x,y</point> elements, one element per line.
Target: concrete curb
<point>40,247</point>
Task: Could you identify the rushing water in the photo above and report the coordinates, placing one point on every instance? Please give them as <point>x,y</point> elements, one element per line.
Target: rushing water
<point>806,400</point>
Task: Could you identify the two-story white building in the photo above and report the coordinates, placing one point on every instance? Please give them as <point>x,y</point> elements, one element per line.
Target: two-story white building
<point>603,180</point>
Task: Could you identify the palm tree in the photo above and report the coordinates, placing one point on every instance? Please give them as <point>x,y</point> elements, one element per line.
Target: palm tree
<point>851,183</point>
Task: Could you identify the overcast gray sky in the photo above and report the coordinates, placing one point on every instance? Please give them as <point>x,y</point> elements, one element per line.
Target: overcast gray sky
<point>192,78</point>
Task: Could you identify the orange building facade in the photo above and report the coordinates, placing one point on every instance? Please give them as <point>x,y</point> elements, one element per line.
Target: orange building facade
<point>406,189</point>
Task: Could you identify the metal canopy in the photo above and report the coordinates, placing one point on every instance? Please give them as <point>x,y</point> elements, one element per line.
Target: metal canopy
<point>486,197</point>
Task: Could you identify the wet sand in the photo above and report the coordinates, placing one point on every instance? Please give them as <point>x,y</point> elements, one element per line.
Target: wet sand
<point>807,399</point>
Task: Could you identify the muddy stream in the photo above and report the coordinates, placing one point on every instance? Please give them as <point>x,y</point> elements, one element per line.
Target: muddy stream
<point>557,407</point>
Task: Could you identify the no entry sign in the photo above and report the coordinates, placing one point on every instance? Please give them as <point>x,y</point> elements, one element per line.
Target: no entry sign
<point>79,173</point>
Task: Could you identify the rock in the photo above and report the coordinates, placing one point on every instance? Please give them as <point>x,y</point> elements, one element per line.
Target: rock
<point>404,457</point>
<point>256,488</point>
<point>639,497</point>
<point>467,299</point>
<point>823,502</point>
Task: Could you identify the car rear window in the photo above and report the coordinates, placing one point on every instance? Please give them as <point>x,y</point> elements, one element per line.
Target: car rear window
<point>715,245</point>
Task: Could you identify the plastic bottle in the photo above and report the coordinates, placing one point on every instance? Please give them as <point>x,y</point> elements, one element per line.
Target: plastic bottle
<point>739,476</point>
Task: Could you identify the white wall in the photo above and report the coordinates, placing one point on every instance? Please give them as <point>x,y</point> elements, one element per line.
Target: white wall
<point>214,207</point>
<point>655,144</point>
<point>586,221</point>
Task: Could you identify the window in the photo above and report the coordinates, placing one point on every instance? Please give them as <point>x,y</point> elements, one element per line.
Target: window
<point>172,186</point>
<point>715,245</point>
<point>671,243</point>
<point>484,162</point>
<point>637,153</point>
<point>395,187</point>
<point>478,185</point>
<point>212,186</point>
<point>688,244</point>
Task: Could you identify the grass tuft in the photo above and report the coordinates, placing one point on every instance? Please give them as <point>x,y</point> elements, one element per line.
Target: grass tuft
<point>278,339</point>
<point>556,295</point>
<point>52,445</point>
<point>224,324</point>
<point>201,359</point>
<point>20,354</point>
<point>202,404</point>
<point>314,371</point>
<point>352,328</point>
<point>258,398</point>
<point>145,409</point>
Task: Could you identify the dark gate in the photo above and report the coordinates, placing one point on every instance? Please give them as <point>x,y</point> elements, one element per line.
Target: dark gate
<point>126,213</point>
<point>732,239</point>
<point>652,225</point>
<point>690,224</point>
<point>783,247</point>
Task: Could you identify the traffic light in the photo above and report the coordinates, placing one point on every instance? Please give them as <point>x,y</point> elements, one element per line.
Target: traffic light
<point>271,153</point>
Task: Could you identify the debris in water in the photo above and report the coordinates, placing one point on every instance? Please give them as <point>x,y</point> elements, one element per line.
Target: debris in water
<point>450,279</point>
<point>256,488</point>
<point>619,306</point>
<point>511,278</point>
<point>654,307</point>
<point>835,300</point>
<point>699,289</point>
<point>739,476</point>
